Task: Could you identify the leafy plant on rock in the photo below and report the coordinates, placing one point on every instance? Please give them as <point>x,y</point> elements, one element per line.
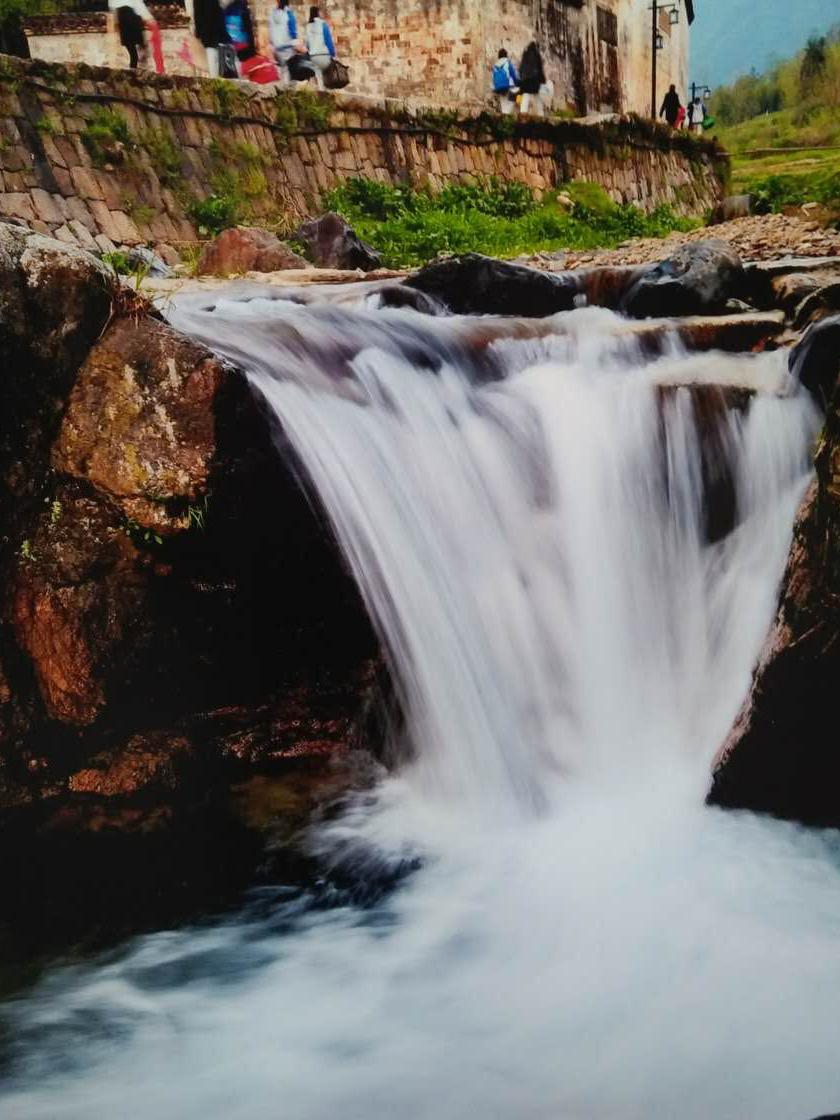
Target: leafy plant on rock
<point>106,136</point>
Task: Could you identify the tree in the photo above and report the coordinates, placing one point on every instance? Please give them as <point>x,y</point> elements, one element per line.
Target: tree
<point>813,62</point>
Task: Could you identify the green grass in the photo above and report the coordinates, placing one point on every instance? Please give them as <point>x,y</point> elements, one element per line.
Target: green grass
<point>411,227</point>
<point>788,128</point>
<point>780,179</point>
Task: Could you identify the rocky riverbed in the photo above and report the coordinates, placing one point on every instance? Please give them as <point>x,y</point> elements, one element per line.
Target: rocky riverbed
<point>765,237</point>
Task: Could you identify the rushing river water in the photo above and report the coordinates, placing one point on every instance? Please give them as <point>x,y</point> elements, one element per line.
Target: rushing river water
<point>526,510</point>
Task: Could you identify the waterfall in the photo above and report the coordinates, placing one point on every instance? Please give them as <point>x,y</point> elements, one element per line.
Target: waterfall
<point>532,546</point>
<point>570,542</point>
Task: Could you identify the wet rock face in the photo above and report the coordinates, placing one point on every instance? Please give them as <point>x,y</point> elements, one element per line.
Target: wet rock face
<point>698,279</point>
<point>477,285</point>
<point>246,249</point>
<point>815,361</point>
<point>54,302</point>
<point>140,424</point>
<point>332,243</point>
<point>782,757</point>
<point>161,561</point>
<point>158,760</point>
<point>74,593</point>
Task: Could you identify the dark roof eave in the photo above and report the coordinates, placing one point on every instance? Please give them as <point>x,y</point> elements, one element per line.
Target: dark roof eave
<point>689,7</point>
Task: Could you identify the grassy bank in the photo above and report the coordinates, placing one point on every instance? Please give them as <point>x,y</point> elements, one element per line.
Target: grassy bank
<point>795,105</point>
<point>411,227</point>
<point>779,178</point>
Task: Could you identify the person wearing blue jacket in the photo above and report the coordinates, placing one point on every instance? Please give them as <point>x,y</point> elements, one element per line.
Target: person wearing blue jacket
<point>283,33</point>
<point>505,82</point>
<point>319,44</point>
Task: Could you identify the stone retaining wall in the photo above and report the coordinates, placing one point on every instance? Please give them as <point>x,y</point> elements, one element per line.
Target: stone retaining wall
<point>178,141</point>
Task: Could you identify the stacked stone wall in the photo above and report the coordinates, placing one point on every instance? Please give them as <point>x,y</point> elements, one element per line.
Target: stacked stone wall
<point>278,155</point>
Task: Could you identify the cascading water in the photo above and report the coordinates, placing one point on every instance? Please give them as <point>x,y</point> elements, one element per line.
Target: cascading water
<point>527,510</point>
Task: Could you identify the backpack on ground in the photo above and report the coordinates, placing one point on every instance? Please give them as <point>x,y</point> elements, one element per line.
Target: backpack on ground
<point>336,75</point>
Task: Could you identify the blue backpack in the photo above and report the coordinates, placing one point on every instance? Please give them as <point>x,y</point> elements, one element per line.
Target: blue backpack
<point>501,76</point>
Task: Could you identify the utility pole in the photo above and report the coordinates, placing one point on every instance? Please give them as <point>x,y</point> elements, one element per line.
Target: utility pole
<point>654,47</point>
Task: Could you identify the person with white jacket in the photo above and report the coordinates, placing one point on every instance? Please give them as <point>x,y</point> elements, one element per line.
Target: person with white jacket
<point>132,17</point>
<point>319,44</point>
<point>283,33</point>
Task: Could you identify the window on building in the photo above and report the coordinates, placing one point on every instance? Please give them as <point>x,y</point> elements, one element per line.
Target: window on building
<point>607,26</point>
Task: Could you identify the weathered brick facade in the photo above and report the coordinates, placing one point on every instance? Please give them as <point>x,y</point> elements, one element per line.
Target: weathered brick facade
<point>597,53</point>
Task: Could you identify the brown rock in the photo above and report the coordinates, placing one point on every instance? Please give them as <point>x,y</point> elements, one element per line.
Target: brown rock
<point>74,594</point>
<point>332,243</point>
<point>54,301</point>
<point>782,756</point>
<point>790,289</point>
<point>168,254</point>
<point>155,760</point>
<point>140,423</point>
<point>246,249</point>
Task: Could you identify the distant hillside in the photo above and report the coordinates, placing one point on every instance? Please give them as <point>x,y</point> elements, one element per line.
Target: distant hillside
<point>731,37</point>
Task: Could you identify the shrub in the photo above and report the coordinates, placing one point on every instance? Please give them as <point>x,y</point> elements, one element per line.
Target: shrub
<point>214,213</point>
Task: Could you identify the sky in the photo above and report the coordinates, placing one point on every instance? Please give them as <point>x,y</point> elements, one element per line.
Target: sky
<point>729,37</point>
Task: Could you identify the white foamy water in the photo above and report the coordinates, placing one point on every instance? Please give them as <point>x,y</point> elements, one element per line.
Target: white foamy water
<point>526,512</point>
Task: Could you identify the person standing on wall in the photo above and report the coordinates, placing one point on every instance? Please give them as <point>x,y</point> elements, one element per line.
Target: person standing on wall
<point>532,79</point>
<point>505,83</point>
<point>283,33</point>
<point>696,115</point>
<point>671,107</point>
<point>132,17</point>
<point>319,44</point>
<point>239,28</point>
<point>209,25</point>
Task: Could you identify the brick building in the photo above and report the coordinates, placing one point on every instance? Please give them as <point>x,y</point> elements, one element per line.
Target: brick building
<point>597,53</point>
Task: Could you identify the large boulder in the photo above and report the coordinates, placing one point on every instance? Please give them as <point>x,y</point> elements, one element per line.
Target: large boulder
<point>140,423</point>
<point>477,285</point>
<point>782,757</point>
<point>698,279</point>
<point>246,249</point>
<point>330,242</point>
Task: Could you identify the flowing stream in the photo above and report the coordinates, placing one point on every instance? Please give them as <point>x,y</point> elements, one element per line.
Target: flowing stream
<point>528,510</point>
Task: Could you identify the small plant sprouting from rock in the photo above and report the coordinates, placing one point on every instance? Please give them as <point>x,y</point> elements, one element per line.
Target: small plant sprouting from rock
<point>164,155</point>
<point>120,261</point>
<point>55,511</point>
<point>47,126</point>
<point>229,98</point>
<point>140,535</point>
<point>25,550</point>
<point>106,136</point>
<point>139,212</point>
<point>301,111</point>
<point>197,515</point>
